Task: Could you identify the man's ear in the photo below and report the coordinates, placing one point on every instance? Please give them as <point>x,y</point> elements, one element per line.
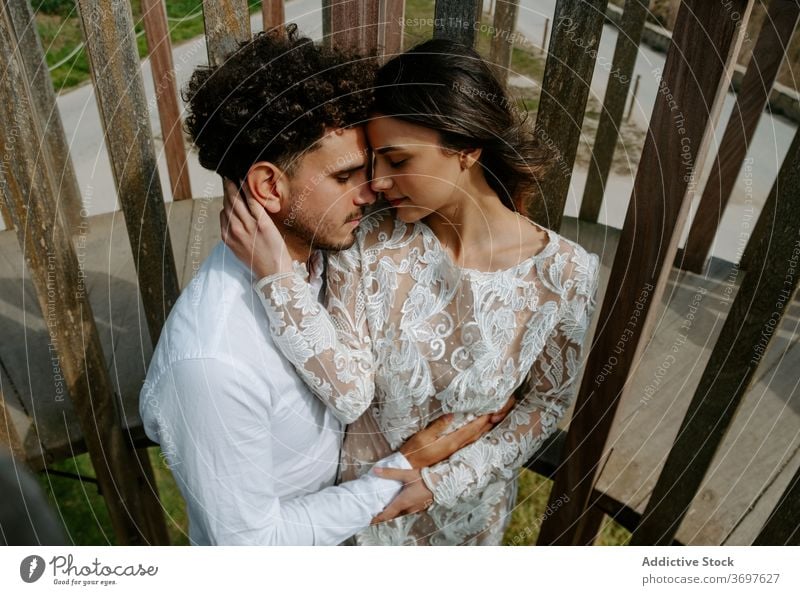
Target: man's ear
<point>267,184</point>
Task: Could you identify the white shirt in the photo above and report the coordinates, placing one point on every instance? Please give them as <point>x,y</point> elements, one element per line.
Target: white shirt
<point>253,451</point>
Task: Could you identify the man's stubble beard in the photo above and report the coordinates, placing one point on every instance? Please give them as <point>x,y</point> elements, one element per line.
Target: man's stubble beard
<point>317,235</point>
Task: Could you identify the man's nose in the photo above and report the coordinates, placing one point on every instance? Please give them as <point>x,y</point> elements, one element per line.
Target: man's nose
<point>364,196</point>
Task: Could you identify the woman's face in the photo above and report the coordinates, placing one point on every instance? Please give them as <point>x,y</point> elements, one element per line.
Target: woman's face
<point>416,175</point>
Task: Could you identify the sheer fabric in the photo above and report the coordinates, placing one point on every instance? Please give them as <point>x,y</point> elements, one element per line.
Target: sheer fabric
<point>408,336</point>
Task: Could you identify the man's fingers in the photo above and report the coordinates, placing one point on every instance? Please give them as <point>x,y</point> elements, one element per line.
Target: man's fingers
<point>404,475</point>
<point>470,432</point>
<point>441,423</point>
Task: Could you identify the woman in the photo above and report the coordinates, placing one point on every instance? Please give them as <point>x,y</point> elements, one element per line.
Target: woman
<point>448,302</point>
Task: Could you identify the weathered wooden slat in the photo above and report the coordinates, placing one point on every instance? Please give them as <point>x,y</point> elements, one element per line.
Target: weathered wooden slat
<point>696,74</point>
<point>751,322</point>
<point>783,525</point>
<point>227,24</point>
<point>160,52</point>
<point>619,81</point>
<point>28,190</point>
<point>353,24</point>
<point>273,14</point>
<point>771,47</point>
<point>505,22</point>
<point>159,48</point>
<point>577,26</point>
<point>119,90</point>
<point>455,19</point>
<point>390,27</point>
<point>8,432</point>
<point>55,145</point>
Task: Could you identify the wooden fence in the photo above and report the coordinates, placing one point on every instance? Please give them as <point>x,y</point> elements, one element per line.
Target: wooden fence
<point>695,78</point>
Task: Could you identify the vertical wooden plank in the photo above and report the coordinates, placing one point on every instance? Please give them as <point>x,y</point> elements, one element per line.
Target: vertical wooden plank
<point>783,525</point>
<point>577,26</point>
<point>8,433</point>
<point>696,75</point>
<point>169,113</point>
<point>273,14</point>
<point>391,27</point>
<point>751,322</point>
<point>227,24</point>
<point>505,22</point>
<point>55,145</point>
<point>771,47</point>
<point>358,25</point>
<point>619,81</point>
<point>455,19</point>
<point>26,183</point>
<point>114,61</point>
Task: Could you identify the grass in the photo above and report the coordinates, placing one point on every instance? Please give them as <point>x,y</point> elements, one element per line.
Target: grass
<point>81,508</point>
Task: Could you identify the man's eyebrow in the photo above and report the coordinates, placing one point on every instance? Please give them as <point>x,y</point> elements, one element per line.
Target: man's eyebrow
<point>349,170</point>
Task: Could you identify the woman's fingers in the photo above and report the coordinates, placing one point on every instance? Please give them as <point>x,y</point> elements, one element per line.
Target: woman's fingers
<point>404,475</point>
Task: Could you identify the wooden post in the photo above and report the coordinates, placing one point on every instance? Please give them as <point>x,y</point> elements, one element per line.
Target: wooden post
<point>619,81</point>
<point>751,322</point>
<point>169,113</point>
<point>696,75</point>
<point>273,14</point>
<point>390,27</point>
<point>55,147</point>
<point>28,190</point>
<point>114,62</point>
<point>782,527</point>
<point>455,19</point>
<point>227,23</point>
<point>577,26</point>
<point>633,97</point>
<point>771,47</point>
<point>355,24</point>
<point>505,23</point>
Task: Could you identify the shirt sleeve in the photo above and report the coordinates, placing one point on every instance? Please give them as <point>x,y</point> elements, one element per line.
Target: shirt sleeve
<point>330,348</point>
<point>547,394</point>
<point>216,434</point>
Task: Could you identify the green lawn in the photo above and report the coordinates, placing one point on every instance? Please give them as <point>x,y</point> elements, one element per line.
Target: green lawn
<point>81,508</point>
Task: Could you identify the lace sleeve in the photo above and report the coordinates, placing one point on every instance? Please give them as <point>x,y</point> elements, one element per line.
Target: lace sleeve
<point>330,349</point>
<point>547,394</point>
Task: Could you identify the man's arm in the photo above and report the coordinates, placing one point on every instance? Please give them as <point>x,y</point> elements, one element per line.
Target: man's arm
<point>215,428</point>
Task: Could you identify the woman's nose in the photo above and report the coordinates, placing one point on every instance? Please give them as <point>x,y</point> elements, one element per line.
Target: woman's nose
<point>381,184</point>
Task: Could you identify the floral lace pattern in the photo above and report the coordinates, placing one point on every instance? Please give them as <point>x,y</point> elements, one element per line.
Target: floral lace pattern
<point>408,336</point>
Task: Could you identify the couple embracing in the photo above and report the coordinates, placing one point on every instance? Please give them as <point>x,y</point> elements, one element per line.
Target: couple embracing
<point>382,340</point>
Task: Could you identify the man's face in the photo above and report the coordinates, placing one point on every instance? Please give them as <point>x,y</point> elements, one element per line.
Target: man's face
<point>329,190</point>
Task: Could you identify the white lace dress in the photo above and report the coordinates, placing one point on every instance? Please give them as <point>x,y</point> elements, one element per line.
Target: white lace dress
<point>408,336</point>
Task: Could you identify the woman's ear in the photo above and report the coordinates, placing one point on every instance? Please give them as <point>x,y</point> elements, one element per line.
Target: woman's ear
<point>267,184</point>
<point>469,157</point>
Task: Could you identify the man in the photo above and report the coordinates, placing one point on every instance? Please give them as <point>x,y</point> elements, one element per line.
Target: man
<point>254,453</point>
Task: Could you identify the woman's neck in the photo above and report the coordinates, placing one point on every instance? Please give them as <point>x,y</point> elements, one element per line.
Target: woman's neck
<point>475,217</point>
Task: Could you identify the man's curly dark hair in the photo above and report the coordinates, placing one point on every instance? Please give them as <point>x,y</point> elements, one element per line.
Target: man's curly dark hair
<point>272,99</point>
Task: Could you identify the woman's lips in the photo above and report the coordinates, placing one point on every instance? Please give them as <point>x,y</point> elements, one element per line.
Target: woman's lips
<point>395,201</point>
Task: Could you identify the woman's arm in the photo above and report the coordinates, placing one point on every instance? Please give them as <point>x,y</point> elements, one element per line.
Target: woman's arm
<point>548,393</point>
<point>329,349</point>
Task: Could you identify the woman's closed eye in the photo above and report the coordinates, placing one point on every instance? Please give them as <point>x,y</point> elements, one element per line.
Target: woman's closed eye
<point>396,164</point>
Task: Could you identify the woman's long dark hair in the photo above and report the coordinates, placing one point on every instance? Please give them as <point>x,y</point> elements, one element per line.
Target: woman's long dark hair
<point>448,87</point>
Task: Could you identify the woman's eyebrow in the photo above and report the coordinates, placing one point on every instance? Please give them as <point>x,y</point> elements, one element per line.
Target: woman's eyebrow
<point>386,149</point>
